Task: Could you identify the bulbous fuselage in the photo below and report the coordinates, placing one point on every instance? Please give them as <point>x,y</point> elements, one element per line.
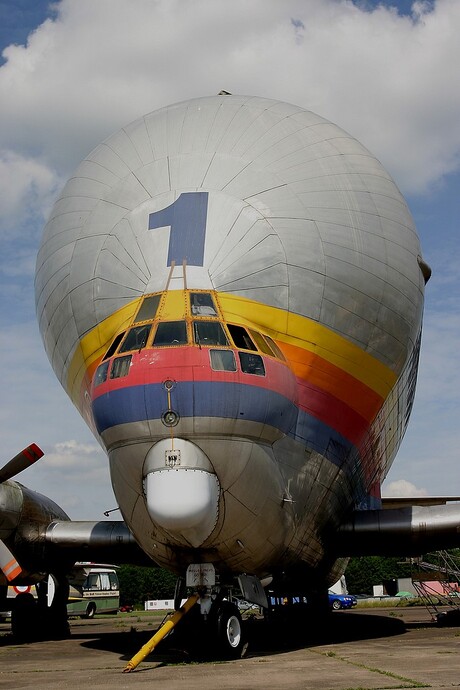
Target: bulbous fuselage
<point>230,290</point>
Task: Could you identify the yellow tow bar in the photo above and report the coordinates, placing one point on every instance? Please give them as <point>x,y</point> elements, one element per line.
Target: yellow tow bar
<point>161,633</point>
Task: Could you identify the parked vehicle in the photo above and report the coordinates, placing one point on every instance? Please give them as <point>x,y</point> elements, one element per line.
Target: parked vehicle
<point>99,593</point>
<point>341,601</point>
<point>127,608</point>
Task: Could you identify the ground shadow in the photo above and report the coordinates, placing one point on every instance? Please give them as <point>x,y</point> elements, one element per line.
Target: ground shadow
<point>263,638</point>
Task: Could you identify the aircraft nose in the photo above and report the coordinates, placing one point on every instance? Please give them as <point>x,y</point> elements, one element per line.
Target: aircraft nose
<point>181,490</point>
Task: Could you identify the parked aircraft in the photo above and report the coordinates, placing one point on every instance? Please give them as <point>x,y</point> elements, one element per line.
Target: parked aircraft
<point>230,290</point>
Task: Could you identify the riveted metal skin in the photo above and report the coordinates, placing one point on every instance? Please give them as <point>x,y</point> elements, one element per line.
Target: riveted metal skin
<point>228,213</point>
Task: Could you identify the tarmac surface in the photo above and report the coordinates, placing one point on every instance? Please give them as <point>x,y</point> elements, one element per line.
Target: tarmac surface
<point>363,649</point>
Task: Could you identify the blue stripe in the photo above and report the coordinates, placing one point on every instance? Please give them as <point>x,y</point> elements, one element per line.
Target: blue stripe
<point>227,400</point>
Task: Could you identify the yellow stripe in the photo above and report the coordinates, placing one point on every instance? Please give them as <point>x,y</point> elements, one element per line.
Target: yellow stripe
<point>283,326</point>
<point>310,335</point>
<point>94,344</point>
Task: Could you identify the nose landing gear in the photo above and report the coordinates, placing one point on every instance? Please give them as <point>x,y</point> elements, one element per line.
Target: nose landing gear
<point>221,629</point>
<point>214,624</point>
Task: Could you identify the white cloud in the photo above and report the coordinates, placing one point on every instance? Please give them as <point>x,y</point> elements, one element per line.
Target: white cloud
<point>386,78</point>
<point>402,489</point>
<point>74,473</point>
<point>71,454</point>
<point>27,189</point>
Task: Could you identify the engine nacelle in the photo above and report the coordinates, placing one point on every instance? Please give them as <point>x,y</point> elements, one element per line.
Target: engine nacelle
<point>24,518</point>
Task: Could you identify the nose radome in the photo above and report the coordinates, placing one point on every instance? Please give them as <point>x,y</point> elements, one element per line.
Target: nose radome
<point>182,491</point>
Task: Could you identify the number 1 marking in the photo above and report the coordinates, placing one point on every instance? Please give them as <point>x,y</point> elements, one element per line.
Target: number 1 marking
<point>187,218</point>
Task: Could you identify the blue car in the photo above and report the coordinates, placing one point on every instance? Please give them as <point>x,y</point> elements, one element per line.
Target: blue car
<point>341,601</point>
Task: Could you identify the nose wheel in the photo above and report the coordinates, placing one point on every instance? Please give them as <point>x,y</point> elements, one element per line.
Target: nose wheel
<point>230,640</point>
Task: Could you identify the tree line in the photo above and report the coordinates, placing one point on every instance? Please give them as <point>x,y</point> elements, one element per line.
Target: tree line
<point>138,584</point>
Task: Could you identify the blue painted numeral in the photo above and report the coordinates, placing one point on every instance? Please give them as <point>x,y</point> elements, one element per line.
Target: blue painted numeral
<point>187,218</point>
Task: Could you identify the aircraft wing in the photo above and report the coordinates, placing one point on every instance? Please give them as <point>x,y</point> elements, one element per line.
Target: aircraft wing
<point>38,537</point>
<point>388,503</point>
<point>403,527</point>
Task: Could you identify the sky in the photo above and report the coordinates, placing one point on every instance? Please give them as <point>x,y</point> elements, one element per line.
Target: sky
<point>75,71</point>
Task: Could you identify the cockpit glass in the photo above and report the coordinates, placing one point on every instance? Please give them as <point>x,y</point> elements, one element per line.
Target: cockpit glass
<point>202,304</point>
<point>251,364</point>
<point>120,367</point>
<point>101,373</point>
<point>241,337</point>
<point>116,341</point>
<point>275,348</point>
<point>209,333</point>
<point>136,338</point>
<point>170,333</point>
<point>261,343</point>
<point>222,360</point>
<point>148,309</point>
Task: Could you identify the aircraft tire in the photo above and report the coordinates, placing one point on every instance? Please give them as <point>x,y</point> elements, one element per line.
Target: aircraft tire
<point>230,640</point>
<point>24,618</point>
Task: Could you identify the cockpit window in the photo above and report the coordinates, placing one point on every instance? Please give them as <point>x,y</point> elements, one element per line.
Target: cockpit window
<point>136,338</point>
<point>275,348</point>
<point>261,343</point>
<point>170,333</point>
<point>209,333</point>
<point>101,373</point>
<point>111,351</point>
<point>241,337</point>
<point>222,360</point>
<point>202,304</point>
<point>251,364</point>
<point>148,309</point>
<point>120,367</point>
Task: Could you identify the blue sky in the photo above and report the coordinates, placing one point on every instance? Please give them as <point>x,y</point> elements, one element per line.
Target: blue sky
<point>72,74</point>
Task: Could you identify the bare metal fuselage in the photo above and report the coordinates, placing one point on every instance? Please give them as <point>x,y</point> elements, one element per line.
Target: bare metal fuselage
<point>243,431</point>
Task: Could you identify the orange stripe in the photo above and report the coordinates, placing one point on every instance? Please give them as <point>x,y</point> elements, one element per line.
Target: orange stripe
<point>12,569</point>
<point>14,573</point>
<point>312,368</point>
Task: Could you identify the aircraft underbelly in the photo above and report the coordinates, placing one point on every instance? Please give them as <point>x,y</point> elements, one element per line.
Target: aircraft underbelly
<point>268,511</point>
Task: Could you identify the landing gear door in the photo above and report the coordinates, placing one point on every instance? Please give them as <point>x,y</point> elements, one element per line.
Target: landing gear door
<point>252,590</point>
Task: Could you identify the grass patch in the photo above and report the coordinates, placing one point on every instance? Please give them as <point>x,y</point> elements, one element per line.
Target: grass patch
<point>389,603</point>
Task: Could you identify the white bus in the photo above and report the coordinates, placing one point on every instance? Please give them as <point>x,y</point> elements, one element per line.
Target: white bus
<point>99,592</point>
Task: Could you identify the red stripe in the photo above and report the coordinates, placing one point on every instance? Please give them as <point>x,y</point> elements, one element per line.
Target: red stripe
<point>192,364</point>
<point>32,452</point>
<point>36,450</point>
<point>332,412</point>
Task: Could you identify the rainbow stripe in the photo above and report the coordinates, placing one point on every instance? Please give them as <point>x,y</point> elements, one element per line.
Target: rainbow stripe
<point>339,385</point>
